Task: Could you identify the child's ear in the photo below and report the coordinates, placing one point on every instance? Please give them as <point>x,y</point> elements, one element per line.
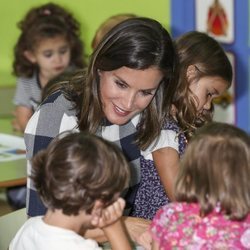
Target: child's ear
<point>191,72</point>
<point>30,56</point>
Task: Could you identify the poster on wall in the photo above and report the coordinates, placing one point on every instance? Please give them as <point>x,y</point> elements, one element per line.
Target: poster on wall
<point>225,105</point>
<point>216,17</point>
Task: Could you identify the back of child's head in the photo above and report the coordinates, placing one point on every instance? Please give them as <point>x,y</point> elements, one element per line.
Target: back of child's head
<point>46,21</point>
<point>76,170</point>
<point>215,170</point>
<point>210,60</point>
<point>108,25</point>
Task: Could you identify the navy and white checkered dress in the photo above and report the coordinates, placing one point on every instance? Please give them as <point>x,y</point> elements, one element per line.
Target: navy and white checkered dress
<point>57,115</point>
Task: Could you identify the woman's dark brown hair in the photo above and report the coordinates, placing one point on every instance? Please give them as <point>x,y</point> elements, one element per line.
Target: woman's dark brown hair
<point>136,43</point>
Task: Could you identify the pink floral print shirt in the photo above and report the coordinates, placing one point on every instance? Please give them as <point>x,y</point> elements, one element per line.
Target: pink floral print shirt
<point>179,226</point>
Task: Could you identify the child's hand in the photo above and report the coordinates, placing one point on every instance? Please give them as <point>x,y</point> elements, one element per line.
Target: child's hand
<point>110,214</point>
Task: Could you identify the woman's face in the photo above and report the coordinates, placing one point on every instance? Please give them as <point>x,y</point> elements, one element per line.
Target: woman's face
<point>206,89</point>
<point>126,92</point>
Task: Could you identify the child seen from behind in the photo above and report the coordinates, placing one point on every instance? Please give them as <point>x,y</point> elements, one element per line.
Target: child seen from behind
<point>212,192</point>
<point>79,177</point>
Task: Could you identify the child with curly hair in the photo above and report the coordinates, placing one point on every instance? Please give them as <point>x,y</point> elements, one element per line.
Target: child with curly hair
<point>49,44</point>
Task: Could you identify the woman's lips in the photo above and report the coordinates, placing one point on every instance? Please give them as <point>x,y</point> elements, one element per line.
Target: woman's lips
<point>120,111</point>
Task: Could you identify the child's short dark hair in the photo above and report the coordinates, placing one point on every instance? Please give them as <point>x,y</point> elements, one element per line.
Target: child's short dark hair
<point>78,169</point>
<point>215,170</point>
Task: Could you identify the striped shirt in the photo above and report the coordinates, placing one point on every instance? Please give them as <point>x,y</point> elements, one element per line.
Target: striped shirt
<point>28,92</point>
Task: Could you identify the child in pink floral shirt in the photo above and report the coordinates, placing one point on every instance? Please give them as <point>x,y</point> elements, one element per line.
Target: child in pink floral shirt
<point>213,194</point>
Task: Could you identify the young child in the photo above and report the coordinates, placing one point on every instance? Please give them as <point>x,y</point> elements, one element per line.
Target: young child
<point>204,73</point>
<point>212,193</point>
<point>79,177</point>
<point>107,25</point>
<point>48,45</point>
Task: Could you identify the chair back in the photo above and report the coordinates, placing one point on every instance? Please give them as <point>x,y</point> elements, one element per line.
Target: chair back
<point>9,225</point>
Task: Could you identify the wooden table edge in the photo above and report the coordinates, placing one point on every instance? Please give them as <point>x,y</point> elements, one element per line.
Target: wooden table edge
<point>12,183</point>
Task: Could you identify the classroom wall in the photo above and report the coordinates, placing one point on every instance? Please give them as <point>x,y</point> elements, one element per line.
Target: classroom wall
<point>91,13</point>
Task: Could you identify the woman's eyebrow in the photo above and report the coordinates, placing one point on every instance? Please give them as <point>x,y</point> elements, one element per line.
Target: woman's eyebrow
<point>120,79</point>
<point>124,82</point>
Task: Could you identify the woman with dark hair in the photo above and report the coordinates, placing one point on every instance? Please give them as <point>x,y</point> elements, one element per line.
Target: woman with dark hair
<point>124,96</point>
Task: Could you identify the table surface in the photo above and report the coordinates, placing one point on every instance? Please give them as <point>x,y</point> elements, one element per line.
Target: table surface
<point>12,173</point>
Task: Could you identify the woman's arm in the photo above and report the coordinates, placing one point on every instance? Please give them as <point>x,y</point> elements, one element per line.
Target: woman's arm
<point>50,119</point>
<point>135,227</point>
<point>167,164</point>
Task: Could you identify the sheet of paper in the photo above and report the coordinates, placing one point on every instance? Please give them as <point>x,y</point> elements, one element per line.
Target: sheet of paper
<point>11,147</point>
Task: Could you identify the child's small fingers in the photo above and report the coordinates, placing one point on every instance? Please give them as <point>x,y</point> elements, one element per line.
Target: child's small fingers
<point>121,202</point>
<point>119,207</point>
<point>107,213</point>
<point>95,221</point>
<point>112,213</point>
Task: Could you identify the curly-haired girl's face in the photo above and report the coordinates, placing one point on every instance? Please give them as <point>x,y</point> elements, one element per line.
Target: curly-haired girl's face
<point>127,92</point>
<point>52,55</point>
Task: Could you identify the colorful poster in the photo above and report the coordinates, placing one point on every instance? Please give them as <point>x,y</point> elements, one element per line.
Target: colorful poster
<point>216,17</point>
<point>225,110</point>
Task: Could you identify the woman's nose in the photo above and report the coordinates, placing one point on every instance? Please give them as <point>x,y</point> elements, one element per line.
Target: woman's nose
<point>129,100</point>
<point>58,58</point>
